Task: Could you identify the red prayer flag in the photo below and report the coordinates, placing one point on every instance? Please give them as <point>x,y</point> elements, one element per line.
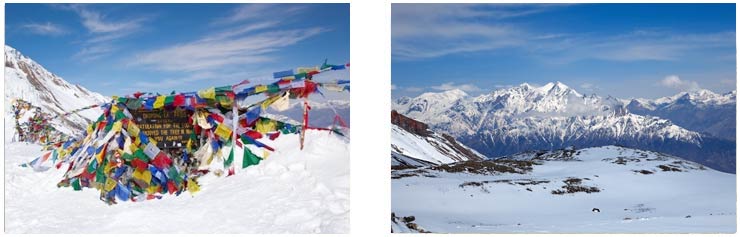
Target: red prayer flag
<point>253,134</point>
<point>179,100</point>
<point>274,136</point>
<point>161,161</point>
<point>139,164</point>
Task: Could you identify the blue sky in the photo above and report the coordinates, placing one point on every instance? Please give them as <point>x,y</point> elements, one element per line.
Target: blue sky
<point>623,50</point>
<point>118,49</point>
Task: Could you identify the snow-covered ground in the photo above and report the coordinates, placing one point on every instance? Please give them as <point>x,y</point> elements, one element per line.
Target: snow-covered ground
<point>291,191</point>
<point>694,200</point>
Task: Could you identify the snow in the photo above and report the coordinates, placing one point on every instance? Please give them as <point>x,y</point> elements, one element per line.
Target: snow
<point>52,93</point>
<point>291,191</point>
<point>629,202</point>
<point>418,147</point>
<point>698,97</point>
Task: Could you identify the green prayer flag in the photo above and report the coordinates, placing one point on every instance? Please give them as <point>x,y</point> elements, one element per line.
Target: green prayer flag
<point>249,158</point>
<point>169,99</point>
<point>128,157</point>
<point>228,161</point>
<point>91,167</point>
<point>100,176</point>
<point>108,126</point>
<point>76,185</point>
<point>120,115</point>
<point>272,88</point>
<point>301,75</point>
<point>172,174</point>
<point>140,154</point>
<point>223,89</point>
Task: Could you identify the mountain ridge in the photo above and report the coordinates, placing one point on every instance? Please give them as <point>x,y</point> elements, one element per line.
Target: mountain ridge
<point>553,116</point>
<point>28,80</point>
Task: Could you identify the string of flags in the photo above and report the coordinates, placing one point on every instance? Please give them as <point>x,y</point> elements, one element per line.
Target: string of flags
<point>117,158</point>
<point>36,128</point>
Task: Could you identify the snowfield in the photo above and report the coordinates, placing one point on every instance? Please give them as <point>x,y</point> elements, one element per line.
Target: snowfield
<point>636,192</point>
<point>291,191</point>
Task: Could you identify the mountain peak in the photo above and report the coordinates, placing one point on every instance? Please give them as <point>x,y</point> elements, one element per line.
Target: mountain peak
<point>28,80</point>
<point>554,86</point>
<point>526,86</point>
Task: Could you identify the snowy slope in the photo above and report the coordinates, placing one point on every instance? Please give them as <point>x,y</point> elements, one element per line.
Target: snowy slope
<point>638,192</point>
<point>27,80</point>
<point>291,191</point>
<point>433,148</point>
<point>553,116</point>
<point>413,144</point>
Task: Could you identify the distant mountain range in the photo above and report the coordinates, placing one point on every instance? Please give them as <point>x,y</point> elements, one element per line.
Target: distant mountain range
<point>701,111</point>
<point>554,116</point>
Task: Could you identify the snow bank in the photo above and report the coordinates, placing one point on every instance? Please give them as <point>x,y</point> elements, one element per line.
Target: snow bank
<point>291,191</point>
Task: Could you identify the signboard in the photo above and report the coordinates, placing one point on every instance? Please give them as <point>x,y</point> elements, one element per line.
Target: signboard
<point>169,128</point>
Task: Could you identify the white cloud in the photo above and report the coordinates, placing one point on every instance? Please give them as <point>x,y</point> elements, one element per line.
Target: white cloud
<point>393,86</point>
<point>433,30</point>
<point>638,45</point>
<point>589,87</point>
<point>239,44</point>
<point>95,22</point>
<point>259,11</point>
<point>210,53</point>
<point>413,89</point>
<point>47,28</point>
<point>94,52</point>
<point>452,86</point>
<point>674,82</point>
<point>103,32</point>
<point>728,82</point>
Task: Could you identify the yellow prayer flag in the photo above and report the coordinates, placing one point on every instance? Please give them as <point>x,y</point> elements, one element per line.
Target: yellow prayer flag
<point>269,101</point>
<point>159,103</point>
<point>209,93</point>
<point>145,176</point>
<point>99,157</point>
<point>223,131</point>
<point>193,186</point>
<point>307,69</point>
<point>110,184</point>
<point>117,126</point>
<point>265,126</point>
<point>260,88</point>
<point>152,189</point>
<point>189,146</point>
<point>133,130</point>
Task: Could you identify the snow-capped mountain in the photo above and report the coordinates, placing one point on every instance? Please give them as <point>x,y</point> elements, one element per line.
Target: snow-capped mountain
<point>413,144</point>
<point>702,111</point>
<point>27,80</point>
<point>607,189</point>
<point>554,116</point>
<point>321,114</point>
